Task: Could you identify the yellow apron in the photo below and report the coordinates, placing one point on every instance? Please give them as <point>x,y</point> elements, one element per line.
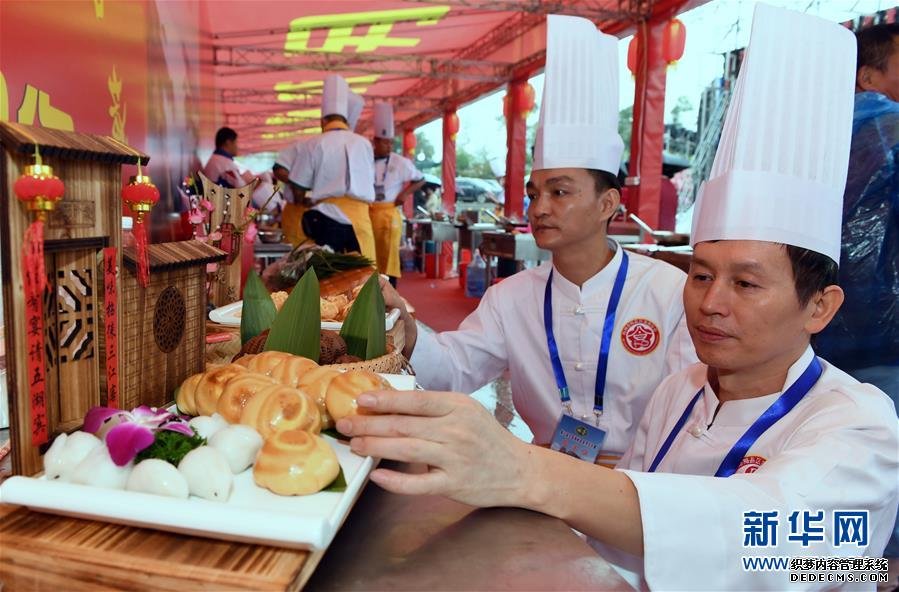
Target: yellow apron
<point>357,212</point>
<point>292,223</point>
<point>387,224</point>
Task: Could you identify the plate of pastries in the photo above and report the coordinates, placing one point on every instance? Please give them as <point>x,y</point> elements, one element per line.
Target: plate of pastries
<point>263,463</point>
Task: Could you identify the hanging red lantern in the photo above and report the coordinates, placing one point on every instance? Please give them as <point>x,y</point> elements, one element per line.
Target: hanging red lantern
<point>527,100</point>
<point>632,49</point>
<point>674,39</point>
<point>452,125</point>
<point>141,195</point>
<point>39,189</point>
<point>409,143</point>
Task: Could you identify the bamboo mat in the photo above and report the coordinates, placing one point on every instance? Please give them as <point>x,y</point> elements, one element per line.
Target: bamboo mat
<point>46,552</point>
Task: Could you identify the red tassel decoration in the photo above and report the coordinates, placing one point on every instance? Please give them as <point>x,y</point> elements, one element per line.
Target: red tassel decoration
<point>141,194</point>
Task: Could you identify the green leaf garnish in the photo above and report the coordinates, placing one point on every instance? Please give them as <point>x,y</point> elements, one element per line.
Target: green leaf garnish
<point>364,329</point>
<point>338,485</point>
<point>258,310</point>
<point>297,326</point>
<point>170,446</point>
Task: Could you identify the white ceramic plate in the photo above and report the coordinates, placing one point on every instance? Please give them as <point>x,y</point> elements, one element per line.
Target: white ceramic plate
<point>252,514</point>
<point>229,315</point>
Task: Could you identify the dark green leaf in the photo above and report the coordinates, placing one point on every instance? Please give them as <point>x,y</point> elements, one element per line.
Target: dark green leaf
<point>364,328</point>
<point>297,327</point>
<point>258,310</point>
<point>170,446</point>
<point>338,484</point>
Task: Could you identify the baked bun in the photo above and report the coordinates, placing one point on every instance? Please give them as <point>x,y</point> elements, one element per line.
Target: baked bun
<point>289,371</point>
<point>186,397</point>
<point>346,387</point>
<point>265,362</point>
<point>315,384</point>
<point>237,393</point>
<point>244,360</point>
<point>295,462</point>
<point>211,385</point>
<point>277,408</point>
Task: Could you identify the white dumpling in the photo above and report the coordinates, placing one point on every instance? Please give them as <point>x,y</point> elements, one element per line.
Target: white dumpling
<point>208,474</point>
<point>157,476</point>
<point>66,452</point>
<point>98,470</point>
<point>207,425</point>
<point>239,444</point>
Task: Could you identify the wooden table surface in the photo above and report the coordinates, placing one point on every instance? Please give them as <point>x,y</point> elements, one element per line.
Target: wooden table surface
<point>389,542</point>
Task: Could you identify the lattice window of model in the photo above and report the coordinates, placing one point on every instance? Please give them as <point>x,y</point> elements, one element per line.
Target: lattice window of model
<point>168,320</point>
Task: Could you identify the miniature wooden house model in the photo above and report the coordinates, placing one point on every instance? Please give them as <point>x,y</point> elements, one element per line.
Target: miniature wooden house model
<point>163,330</point>
<point>76,235</point>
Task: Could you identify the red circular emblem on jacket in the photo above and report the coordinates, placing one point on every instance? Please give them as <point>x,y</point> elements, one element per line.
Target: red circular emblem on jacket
<point>750,464</point>
<point>640,336</point>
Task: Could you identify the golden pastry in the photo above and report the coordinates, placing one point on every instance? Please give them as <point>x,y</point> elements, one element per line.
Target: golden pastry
<point>295,462</point>
<point>211,384</point>
<point>315,384</point>
<point>244,360</point>
<point>289,371</point>
<point>277,408</point>
<point>237,393</point>
<point>346,387</point>
<point>332,346</point>
<point>329,310</point>
<point>186,396</point>
<point>279,298</point>
<point>265,362</point>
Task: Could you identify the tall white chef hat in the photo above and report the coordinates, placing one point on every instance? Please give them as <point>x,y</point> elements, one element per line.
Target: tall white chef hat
<point>578,125</point>
<point>354,109</point>
<point>780,169</point>
<point>335,96</point>
<point>384,120</point>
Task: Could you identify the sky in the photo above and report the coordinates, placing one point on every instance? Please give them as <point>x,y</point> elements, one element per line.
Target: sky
<point>712,30</point>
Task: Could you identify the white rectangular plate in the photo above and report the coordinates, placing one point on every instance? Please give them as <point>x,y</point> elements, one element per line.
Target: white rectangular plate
<point>252,514</point>
<point>229,315</point>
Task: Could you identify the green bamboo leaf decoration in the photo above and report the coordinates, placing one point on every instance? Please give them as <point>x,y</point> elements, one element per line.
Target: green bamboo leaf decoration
<point>297,328</point>
<point>258,310</point>
<point>364,329</point>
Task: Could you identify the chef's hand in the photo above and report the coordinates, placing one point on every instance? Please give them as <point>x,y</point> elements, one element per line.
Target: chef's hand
<point>471,458</point>
<point>392,299</point>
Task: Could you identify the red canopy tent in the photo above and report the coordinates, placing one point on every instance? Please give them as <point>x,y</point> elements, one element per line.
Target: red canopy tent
<point>428,58</point>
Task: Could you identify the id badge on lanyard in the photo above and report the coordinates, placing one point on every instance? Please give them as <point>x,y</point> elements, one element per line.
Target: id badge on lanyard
<point>575,436</point>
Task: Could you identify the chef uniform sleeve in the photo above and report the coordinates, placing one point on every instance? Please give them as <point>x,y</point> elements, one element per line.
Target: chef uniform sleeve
<point>303,170</point>
<point>842,458</point>
<point>468,358</point>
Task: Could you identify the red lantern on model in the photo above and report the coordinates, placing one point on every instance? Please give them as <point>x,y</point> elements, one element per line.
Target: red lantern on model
<point>141,195</point>
<point>409,143</point>
<point>39,189</point>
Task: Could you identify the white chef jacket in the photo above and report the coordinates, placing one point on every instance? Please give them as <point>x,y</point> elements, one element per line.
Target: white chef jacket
<point>294,154</point>
<point>838,449</point>
<point>222,169</point>
<point>393,173</point>
<point>341,163</point>
<point>506,332</point>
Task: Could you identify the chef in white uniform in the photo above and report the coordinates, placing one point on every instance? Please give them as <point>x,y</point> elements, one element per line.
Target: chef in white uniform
<point>291,157</point>
<point>761,450</point>
<point>615,319</point>
<point>396,179</point>
<point>339,173</point>
<point>221,166</point>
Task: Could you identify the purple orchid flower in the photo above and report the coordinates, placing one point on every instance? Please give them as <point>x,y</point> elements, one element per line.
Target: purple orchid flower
<point>128,432</point>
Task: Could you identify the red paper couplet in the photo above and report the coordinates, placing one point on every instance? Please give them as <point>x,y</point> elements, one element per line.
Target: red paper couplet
<point>34,283</point>
<point>110,303</point>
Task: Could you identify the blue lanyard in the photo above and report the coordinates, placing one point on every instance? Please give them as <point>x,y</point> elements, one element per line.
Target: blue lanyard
<point>779,408</point>
<point>607,328</point>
